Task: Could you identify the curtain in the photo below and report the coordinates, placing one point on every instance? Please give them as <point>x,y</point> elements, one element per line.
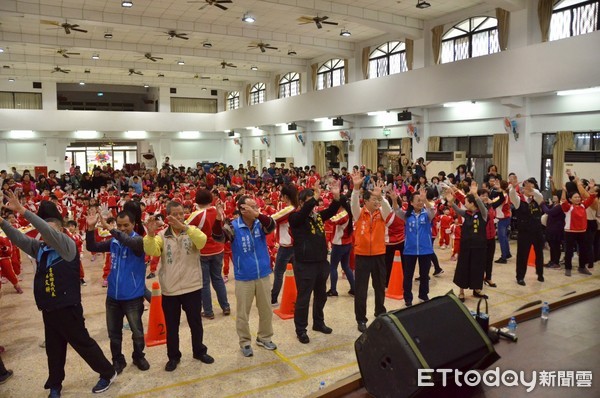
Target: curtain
<point>342,150</point>
<point>225,95</point>
<point>248,88</point>
<point>313,74</point>
<point>410,53</point>
<point>564,142</point>
<point>346,71</point>
<point>433,144</point>
<point>278,92</point>
<point>436,43</point>
<point>406,147</point>
<point>28,100</point>
<point>365,62</point>
<point>194,105</point>
<point>503,17</point>
<point>544,17</point>
<point>6,100</point>
<point>368,154</point>
<point>500,154</point>
<point>319,157</point>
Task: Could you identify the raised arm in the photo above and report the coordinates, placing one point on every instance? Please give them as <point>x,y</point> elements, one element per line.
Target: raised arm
<point>28,245</point>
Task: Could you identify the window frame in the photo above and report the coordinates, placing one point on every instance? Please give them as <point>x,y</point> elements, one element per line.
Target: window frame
<point>258,93</point>
<point>473,30</point>
<point>387,54</point>
<point>555,32</point>
<point>287,83</point>
<point>233,100</point>
<point>326,72</point>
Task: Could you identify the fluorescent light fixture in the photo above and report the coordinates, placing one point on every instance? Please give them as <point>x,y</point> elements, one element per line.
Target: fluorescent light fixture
<point>11,79</point>
<point>180,62</point>
<point>82,83</point>
<point>458,104</point>
<point>146,86</point>
<point>108,35</point>
<point>321,119</point>
<point>207,44</point>
<point>252,128</point>
<point>281,124</point>
<point>100,94</point>
<point>21,134</point>
<point>248,18</point>
<point>1,50</point>
<point>253,67</point>
<point>127,4</point>
<point>203,88</point>
<point>136,135</point>
<point>589,90</point>
<point>377,113</point>
<point>189,135</point>
<point>345,33</point>
<point>227,131</point>
<point>86,134</point>
<point>96,56</point>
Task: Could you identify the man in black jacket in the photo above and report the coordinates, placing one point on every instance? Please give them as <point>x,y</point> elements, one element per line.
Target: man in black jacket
<point>311,268</point>
<point>57,292</point>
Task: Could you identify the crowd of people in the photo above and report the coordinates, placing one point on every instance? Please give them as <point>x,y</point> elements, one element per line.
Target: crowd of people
<point>191,226</point>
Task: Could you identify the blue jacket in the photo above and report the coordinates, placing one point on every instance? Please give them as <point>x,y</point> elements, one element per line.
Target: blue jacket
<point>418,234</point>
<point>249,250</point>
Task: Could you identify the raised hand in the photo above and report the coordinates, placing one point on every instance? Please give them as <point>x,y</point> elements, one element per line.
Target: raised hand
<point>357,180</point>
<point>334,188</point>
<point>151,226</point>
<point>393,197</point>
<point>103,223</point>
<point>449,196</point>
<point>220,210</point>
<point>92,220</point>
<point>13,203</point>
<point>474,187</point>
<point>174,222</point>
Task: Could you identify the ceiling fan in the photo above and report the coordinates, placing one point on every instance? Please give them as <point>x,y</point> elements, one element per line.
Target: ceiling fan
<point>262,46</point>
<point>173,34</point>
<point>151,58</point>
<point>65,53</point>
<point>135,72</point>
<point>61,70</point>
<point>227,64</point>
<point>216,3</point>
<point>66,26</point>
<point>317,20</point>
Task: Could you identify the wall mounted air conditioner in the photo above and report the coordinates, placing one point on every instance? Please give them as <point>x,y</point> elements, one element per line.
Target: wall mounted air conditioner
<point>585,164</point>
<point>444,161</point>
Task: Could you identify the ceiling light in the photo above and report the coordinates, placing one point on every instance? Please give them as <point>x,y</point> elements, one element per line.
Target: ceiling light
<point>422,4</point>
<point>82,83</point>
<point>146,86</point>
<point>321,119</point>
<point>11,79</point>
<point>86,134</point>
<point>207,44</point>
<point>136,134</point>
<point>345,33</point>
<point>100,94</point>
<point>248,18</point>
<point>21,134</point>
<point>254,67</point>
<point>180,62</point>
<point>95,56</point>
<point>291,52</point>
<point>203,88</point>
<point>127,4</point>
<point>108,35</point>
<point>189,135</point>
<point>579,91</point>
<point>1,50</point>
<point>458,104</point>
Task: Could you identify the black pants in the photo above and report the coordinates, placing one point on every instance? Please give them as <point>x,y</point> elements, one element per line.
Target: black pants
<point>434,259</point>
<point>572,238</point>
<point>590,236</point>
<point>554,242</point>
<point>390,252</point>
<point>115,311</point>
<point>490,251</point>
<point>310,277</point>
<point>3,369</point>
<point>526,239</point>
<point>67,325</point>
<point>408,270</point>
<point>191,303</point>
<point>374,267</point>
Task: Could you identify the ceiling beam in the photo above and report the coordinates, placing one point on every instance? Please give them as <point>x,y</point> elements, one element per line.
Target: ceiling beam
<point>385,21</point>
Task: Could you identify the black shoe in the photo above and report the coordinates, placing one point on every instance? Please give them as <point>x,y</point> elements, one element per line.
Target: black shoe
<point>141,363</point>
<point>303,338</point>
<point>6,376</point>
<point>151,275</point>
<point>501,260</point>
<point>323,329</point>
<point>408,304</point>
<point>479,294</point>
<point>171,365</point>
<point>332,293</point>
<point>351,292</point>
<point>362,327</point>
<point>521,282</point>
<point>119,366</point>
<point>509,256</point>
<point>54,393</point>
<point>541,278</point>
<point>438,272</point>
<point>489,283</point>
<point>205,358</point>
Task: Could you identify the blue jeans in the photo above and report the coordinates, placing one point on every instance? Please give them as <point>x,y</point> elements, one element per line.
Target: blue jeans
<point>341,253</point>
<point>212,266</point>
<point>285,255</point>
<point>115,311</point>
<point>503,224</point>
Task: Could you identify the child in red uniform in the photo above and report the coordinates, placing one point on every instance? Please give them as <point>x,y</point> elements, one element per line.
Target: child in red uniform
<point>16,253</point>
<point>6,250</point>
<point>103,235</point>
<point>445,223</point>
<point>455,230</point>
<point>74,234</point>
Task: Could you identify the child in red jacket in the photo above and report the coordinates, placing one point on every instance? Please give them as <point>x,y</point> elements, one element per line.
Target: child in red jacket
<point>455,230</point>
<point>445,223</point>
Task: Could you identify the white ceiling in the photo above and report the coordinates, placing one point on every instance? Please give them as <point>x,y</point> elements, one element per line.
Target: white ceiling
<point>31,41</point>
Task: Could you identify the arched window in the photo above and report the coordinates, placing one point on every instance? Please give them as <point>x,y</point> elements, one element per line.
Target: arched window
<point>257,93</point>
<point>233,100</point>
<point>331,74</point>
<point>573,18</point>
<point>387,59</point>
<point>470,38</point>
<point>289,85</point>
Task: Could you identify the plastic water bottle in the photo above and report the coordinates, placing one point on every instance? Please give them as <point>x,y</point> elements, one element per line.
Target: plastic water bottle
<point>322,385</point>
<point>545,311</point>
<point>512,325</point>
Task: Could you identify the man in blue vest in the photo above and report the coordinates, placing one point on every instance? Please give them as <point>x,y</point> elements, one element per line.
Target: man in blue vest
<point>126,283</point>
<point>252,270</point>
<point>57,292</point>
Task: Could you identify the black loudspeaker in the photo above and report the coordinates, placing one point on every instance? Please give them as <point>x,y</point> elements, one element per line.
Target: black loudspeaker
<point>231,134</point>
<point>37,84</point>
<point>438,334</point>
<point>403,116</point>
<point>213,92</point>
<point>292,126</point>
<point>338,121</point>
<point>173,90</point>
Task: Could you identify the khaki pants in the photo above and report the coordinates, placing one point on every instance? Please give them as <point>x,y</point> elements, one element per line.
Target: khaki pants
<point>245,291</point>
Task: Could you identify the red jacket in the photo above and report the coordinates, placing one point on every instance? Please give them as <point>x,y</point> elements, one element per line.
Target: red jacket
<point>575,216</point>
<point>204,220</point>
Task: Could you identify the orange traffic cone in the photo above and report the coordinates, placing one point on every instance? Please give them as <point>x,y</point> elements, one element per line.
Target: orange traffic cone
<point>395,289</point>
<point>157,329</point>
<point>531,258</point>
<point>288,302</point>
